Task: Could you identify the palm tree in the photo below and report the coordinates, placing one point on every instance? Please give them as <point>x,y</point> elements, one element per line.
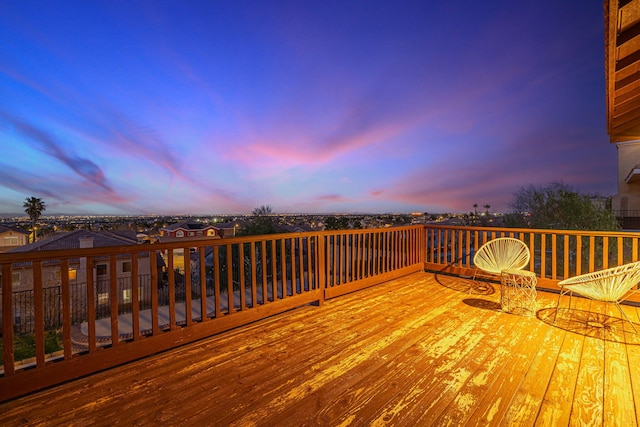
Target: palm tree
<point>34,206</point>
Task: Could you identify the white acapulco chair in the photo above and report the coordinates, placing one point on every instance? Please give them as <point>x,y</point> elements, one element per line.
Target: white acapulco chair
<point>503,253</point>
<point>612,285</point>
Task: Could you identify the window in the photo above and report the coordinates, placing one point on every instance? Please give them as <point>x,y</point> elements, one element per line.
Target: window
<point>101,269</point>
<point>11,241</point>
<point>103,298</point>
<point>180,233</point>
<point>58,275</point>
<point>15,279</point>
<point>126,296</point>
<point>126,267</point>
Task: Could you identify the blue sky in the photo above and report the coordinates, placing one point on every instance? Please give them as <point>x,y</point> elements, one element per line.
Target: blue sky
<point>202,107</point>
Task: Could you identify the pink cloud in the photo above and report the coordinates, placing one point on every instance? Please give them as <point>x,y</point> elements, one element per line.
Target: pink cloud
<point>332,198</point>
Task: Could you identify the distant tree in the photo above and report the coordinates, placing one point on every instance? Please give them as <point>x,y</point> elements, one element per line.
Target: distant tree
<point>34,206</point>
<point>558,206</point>
<point>334,223</point>
<point>331,223</point>
<point>486,208</point>
<point>261,223</point>
<point>263,210</point>
<point>403,220</point>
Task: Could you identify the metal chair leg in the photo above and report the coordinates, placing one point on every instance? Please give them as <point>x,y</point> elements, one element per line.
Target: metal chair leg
<point>625,316</point>
<point>557,306</point>
<point>473,280</point>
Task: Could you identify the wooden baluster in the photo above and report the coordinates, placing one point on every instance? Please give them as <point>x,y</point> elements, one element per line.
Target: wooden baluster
<point>38,312</point>
<point>135,296</point>
<point>114,300</point>
<point>203,285</point>
<point>554,256</point>
<point>274,269</point>
<point>172,290</point>
<point>186,259</point>
<point>241,278</point>
<point>230,290</point>
<point>263,245</point>
<point>592,256</point>
<point>254,275</point>
<point>66,308</point>
<point>155,281</point>
<point>216,281</point>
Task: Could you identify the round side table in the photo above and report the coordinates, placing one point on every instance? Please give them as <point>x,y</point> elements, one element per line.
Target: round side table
<point>518,292</point>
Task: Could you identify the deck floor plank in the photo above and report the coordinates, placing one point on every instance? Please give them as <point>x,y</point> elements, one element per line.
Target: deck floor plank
<point>336,398</point>
<point>462,362</point>
<point>513,360</point>
<point>556,407</point>
<point>588,397</point>
<point>618,408</point>
<point>432,373</point>
<point>528,400</point>
<point>419,350</point>
<point>633,358</point>
<point>338,370</point>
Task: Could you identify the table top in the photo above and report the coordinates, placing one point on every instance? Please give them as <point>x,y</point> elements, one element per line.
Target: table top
<point>516,272</point>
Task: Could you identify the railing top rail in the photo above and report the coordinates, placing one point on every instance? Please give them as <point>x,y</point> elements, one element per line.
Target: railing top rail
<point>372,230</point>
<point>538,231</point>
<point>12,257</point>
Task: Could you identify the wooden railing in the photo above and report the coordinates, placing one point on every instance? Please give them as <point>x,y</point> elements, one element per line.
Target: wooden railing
<point>555,254</point>
<point>200,288</point>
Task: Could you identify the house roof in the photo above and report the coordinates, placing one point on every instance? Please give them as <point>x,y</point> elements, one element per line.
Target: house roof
<point>5,228</point>
<point>188,225</point>
<point>71,240</point>
<point>297,228</point>
<point>622,68</point>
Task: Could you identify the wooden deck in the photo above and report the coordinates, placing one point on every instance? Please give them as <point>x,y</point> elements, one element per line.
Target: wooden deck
<point>420,350</point>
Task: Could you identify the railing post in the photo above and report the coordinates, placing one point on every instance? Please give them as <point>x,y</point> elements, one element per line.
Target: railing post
<point>322,268</point>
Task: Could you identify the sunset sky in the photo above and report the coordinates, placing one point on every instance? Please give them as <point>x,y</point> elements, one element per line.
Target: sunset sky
<point>203,107</point>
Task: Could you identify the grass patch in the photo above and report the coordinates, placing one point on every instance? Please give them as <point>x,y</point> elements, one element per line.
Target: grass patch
<point>24,346</point>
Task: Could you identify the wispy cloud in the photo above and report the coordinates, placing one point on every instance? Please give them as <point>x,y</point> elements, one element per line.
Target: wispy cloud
<point>46,143</point>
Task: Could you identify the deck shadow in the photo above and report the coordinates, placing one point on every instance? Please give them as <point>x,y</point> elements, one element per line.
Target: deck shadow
<point>591,324</point>
<point>483,304</point>
<point>463,284</point>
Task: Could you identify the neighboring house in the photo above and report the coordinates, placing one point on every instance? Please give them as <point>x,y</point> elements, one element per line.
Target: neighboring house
<point>297,228</point>
<point>12,237</point>
<point>185,230</point>
<point>622,81</point>
<point>23,275</point>
<point>79,239</point>
<point>228,229</point>
<point>188,230</point>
